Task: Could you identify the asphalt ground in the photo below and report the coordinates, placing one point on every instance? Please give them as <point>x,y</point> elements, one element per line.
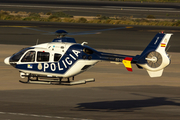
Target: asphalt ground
<point>93,8</point>
<point>116,93</point>
<point>136,38</point>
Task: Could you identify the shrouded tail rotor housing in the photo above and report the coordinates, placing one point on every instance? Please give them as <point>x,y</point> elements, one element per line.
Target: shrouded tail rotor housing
<point>154,58</point>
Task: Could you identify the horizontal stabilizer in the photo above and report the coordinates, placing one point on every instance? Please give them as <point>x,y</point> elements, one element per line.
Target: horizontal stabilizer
<point>155,73</point>
<point>127,63</point>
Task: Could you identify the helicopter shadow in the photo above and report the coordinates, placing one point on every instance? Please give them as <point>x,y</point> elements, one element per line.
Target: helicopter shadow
<point>126,105</point>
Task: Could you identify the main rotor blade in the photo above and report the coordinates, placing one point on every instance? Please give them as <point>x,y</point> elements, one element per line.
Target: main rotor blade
<point>78,33</point>
<point>20,34</point>
<point>45,32</point>
<point>36,29</point>
<point>96,31</point>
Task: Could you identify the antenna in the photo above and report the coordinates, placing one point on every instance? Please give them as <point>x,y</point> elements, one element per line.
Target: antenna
<point>84,43</point>
<point>37,41</point>
<point>168,48</point>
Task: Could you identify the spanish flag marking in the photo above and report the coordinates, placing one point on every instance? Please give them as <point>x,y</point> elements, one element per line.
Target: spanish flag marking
<point>127,63</point>
<point>163,45</point>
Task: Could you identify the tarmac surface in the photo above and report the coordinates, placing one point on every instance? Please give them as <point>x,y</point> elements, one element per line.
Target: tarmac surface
<point>95,7</point>
<point>116,94</point>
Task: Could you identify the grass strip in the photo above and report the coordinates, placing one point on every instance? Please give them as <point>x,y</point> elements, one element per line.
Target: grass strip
<point>99,19</point>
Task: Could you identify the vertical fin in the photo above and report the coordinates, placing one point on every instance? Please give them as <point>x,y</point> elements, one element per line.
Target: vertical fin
<point>127,63</point>
<point>163,43</point>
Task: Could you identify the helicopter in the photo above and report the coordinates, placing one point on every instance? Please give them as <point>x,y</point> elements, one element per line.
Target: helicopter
<point>64,58</point>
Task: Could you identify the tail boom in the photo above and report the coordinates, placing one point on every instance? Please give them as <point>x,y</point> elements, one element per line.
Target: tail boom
<point>154,58</point>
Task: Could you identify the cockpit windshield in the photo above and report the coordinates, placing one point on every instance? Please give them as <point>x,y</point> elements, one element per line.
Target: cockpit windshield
<point>17,56</point>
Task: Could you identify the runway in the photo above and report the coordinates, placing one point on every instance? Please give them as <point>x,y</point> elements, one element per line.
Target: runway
<point>95,7</point>
<point>116,93</point>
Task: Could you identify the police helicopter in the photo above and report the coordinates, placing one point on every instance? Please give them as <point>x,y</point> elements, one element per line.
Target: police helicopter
<point>49,63</point>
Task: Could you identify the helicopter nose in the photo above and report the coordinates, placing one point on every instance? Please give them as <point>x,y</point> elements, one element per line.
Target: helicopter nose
<point>6,61</point>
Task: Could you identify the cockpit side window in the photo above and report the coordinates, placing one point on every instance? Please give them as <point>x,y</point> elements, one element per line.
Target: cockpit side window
<point>29,57</point>
<point>57,57</point>
<point>42,56</point>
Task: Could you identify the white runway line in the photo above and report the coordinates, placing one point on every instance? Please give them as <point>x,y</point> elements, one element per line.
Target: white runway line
<point>41,116</point>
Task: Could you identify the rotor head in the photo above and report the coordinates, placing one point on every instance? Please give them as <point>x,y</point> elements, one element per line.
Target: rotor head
<point>61,33</point>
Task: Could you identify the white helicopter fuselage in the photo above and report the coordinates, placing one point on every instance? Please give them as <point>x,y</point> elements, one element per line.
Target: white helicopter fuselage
<point>64,58</point>
<point>55,59</point>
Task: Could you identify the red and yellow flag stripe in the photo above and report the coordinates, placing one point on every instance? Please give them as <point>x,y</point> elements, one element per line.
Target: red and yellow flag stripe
<point>163,45</point>
<point>127,63</point>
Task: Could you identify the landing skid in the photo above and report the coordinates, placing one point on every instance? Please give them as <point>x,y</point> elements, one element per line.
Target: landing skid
<point>57,82</point>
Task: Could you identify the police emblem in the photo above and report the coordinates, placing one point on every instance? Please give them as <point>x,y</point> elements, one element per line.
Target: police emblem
<point>39,66</point>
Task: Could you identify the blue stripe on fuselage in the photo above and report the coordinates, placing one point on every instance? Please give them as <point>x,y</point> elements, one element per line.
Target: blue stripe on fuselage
<point>69,58</point>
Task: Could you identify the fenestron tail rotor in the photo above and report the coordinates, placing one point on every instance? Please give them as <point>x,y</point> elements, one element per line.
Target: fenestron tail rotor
<point>154,59</point>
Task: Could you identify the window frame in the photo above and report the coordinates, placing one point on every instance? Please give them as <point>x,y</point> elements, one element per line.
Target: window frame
<point>24,55</point>
<point>19,55</point>
<point>59,57</point>
<point>42,56</point>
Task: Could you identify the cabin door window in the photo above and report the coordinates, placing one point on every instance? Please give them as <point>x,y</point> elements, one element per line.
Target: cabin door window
<point>43,56</point>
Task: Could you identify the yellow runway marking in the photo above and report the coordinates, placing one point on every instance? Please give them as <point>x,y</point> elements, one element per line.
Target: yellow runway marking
<point>129,27</point>
<point>16,26</point>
